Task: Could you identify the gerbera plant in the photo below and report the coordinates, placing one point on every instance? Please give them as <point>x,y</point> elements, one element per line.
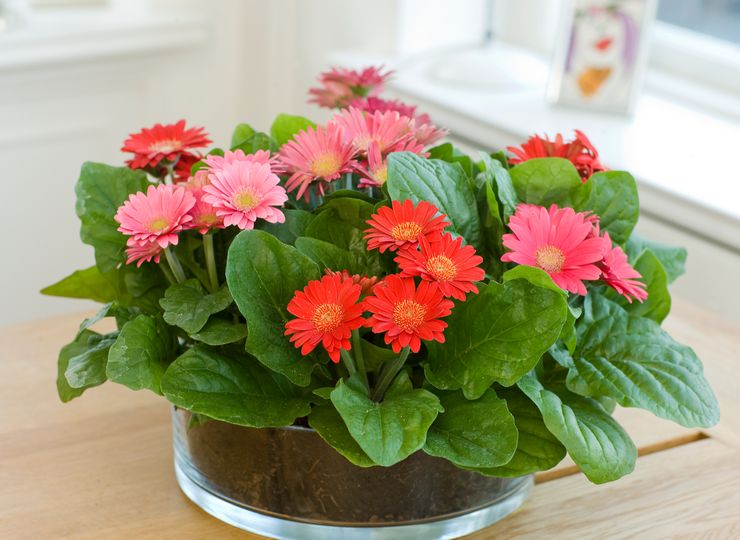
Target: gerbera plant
<point>395,296</point>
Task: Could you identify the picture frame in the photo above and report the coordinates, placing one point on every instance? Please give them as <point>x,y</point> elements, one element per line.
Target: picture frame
<point>601,55</point>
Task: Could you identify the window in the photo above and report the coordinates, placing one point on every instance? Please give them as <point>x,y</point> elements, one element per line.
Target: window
<point>716,18</point>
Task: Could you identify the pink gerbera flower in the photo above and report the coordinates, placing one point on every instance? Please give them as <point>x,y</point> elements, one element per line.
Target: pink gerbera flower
<point>152,145</point>
<point>142,253</point>
<point>373,104</point>
<point>558,241</point>
<point>316,154</point>
<point>386,129</point>
<point>619,274</point>
<point>215,162</point>
<point>425,132</point>
<point>157,216</point>
<point>374,169</point>
<point>205,216</point>
<point>243,192</point>
<point>339,86</point>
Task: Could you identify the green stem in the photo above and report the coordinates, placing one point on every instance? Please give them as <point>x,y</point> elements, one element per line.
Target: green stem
<point>349,362</point>
<point>167,273</point>
<point>390,370</point>
<point>360,358</point>
<point>210,260</point>
<point>175,265</point>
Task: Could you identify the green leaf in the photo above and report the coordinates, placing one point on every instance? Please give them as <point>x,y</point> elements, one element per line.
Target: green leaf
<point>447,152</point>
<point>390,431</point>
<point>80,346</point>
<point>89,283</point>
<point>328,255</point>
<point>106,311</point>
<point>497,335</point>
<point>497,175</point>
<point>537,449</point>
<point>658,303</point>
<point>492,227</point>
<point>375,356</point>
<point>632,360</point>
<point>286,126</point>
<point>219,331</point>
<point>329,425</point>
<point>295,225</point>
<point>87,368</point>
<point>473,433</point>
<point>613,197</point>
<point>672,258</point>
<point>100,190</point>
<point>595,441</point>
<point>443,184</point>
<point>140,355</point>
<point>188,306</point>
<point>263,275</point>
<point>545,181</point>
<point>234,388</point>
<point>246,139</point>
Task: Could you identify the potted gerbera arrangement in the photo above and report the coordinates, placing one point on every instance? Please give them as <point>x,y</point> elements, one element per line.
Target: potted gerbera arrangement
<point>361,330</point>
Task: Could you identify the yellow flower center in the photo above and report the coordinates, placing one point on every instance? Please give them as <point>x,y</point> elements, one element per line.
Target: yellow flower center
<point>326,165</point>
<point>381,175</point>
<point>441,268</point>
<point>327,317</point>
<point>158,225</point>
<point>408,231</point>
<point>246,200</point>
<point>408,315</point>
<point>166,146</point>
<point>207,219</point>
<point>550,259</point>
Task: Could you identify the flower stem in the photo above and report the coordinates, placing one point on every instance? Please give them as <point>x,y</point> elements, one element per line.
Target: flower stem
<point>349,362</point>
<point>360,359</point>
<point>167,273</point>
<point>210,260</point>
<point>175,265</point>
<point>389,372</point>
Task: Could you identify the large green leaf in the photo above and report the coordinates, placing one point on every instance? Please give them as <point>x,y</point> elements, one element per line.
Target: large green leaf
<point>632,360</point>
<point>295,225</point>
<point>189,306</point>
<point>613,197</point>
<point>233,387</point>
<point>499,178</point>
<point>263,275</point>
<point>497,335</point>
<point>473,433</point>
<point>546,181</point>
<point>219,331</point>
<point>141,354</point>
<point>595,441</point>
<point>443,184</point>
<point>658,303</point>
<point>82,344</point>
<point>537,449</point>
<point>328,255</point>
<point>88,283</point>
<point>392,430</point>
<point>100,190</point>
<point>246,139</point>
<point>672,258</point>
<point>87,368</point>
<point>447,152</point>
<point>329,425</point>
<point>286,126</point>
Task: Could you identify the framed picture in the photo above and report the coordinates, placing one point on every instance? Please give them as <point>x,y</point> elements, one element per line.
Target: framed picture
<point>601,56</point>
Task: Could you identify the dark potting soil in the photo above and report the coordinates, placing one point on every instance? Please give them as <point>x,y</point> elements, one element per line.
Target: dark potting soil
<point>291,472</point>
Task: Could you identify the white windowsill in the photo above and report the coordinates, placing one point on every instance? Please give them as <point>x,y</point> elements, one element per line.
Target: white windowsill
<point>53,38</point>
<point>680,155</point>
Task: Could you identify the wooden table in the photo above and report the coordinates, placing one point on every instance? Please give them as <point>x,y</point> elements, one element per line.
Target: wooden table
<point>101,466</point>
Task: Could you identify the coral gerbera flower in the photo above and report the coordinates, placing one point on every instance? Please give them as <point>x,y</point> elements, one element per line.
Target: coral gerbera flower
<point>559,241</point>
<point>316,154</point>
<point>339,86</point>
<point>425,132</point>
<point>407,314</point>
<point>243,192</point>
<point>205,216</point>
<point>402,225</point>
<point>152,145</point>
<point>140,254</point>
<point>155,216</point>
<point>444,260</point>
<point>619,274</point>
<point>326,312</point>
<point>386,129</point>
<point>215,162</point>
<point>374,169</point>
<point>578,151</point>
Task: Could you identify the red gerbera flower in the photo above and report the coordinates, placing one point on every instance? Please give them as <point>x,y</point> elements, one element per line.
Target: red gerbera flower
<point>619,274</point>
<point>366,283</point>
<point>326,312</point>
<point>579,151</point>
<point>407,314</point>
<point>402,225</point>
<point>152,145</point>
<point>446,261</point>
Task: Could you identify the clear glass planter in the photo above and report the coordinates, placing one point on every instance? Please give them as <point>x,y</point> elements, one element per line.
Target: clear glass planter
<point>288,483</point>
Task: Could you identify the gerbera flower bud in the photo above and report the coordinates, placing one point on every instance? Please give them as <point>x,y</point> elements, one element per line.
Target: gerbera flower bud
<point>157,216</point>
<point>402,225</point>
<point>366,283</point>
<point>444,260</point>
<point>326,312</point>
<point>558,241</point>
<point>243,192</point>
<point>407,314</point>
